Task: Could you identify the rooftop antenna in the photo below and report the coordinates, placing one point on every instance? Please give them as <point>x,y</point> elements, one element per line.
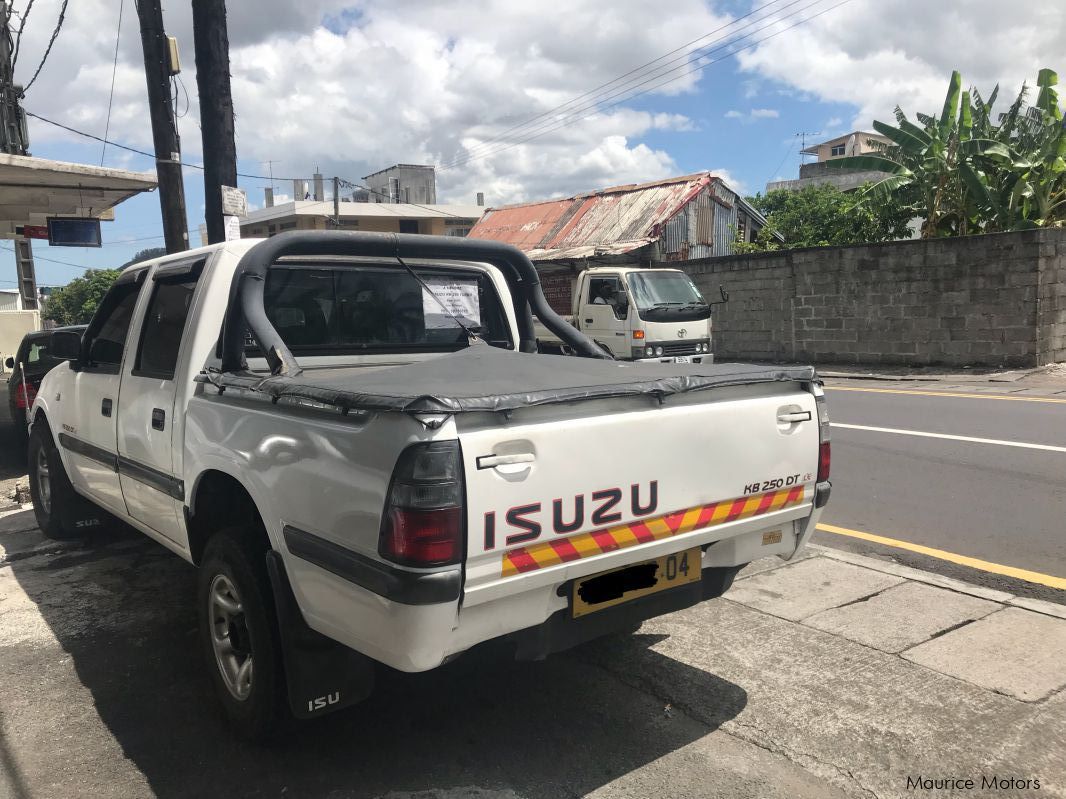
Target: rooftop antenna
<point>802,136</point>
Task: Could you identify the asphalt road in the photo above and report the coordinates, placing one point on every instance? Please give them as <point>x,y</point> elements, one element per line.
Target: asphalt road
<point>991,501</point>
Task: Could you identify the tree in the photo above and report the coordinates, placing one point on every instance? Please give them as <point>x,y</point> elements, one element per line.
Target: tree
<point>971,171</point>
<point>145,255</point>
<point>821,216</point>
<point>76,302</point>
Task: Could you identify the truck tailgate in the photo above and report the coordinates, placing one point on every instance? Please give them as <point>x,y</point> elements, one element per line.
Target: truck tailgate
<point>557,498</point>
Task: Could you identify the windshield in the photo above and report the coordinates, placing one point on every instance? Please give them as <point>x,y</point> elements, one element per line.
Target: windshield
<point>652,289</point>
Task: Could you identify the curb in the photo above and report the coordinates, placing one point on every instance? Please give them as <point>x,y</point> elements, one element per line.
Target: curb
<point>1040,606</point>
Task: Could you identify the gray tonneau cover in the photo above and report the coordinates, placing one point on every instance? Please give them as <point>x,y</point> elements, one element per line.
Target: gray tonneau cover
<point>484,378</point>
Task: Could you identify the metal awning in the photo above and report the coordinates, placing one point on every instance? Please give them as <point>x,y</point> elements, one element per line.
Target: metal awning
<point>33,189</point>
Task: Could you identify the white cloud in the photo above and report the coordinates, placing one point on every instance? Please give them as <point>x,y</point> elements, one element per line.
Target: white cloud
<point>753,114</point>
<point>837,57</point>
<point>385,82</point>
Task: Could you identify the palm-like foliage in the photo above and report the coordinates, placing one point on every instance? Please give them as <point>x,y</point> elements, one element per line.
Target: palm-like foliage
<point>968,171</point>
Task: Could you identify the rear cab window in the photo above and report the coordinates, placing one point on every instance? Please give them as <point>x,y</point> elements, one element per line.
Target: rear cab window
<point>326,309</point>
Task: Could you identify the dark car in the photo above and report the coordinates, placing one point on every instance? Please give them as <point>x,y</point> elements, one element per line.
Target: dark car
<point>22,386</point>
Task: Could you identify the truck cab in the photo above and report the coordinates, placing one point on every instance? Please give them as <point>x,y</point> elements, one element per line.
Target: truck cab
<point>637,314</point>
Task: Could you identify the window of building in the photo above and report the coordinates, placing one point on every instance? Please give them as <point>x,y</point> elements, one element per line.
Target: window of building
<point>458,231</point>
<point>836,149</point>
<point>408,225</point>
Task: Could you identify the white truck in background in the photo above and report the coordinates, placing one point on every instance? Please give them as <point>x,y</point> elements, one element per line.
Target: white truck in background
<point>353,438</point>
<point>634,313</point>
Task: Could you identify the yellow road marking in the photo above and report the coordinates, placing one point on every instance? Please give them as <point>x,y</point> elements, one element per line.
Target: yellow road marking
<point>956,394</point>
<point>962,560</point>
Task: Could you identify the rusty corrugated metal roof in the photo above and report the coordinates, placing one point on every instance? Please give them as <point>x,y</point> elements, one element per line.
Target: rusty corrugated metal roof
<point>607,222</point>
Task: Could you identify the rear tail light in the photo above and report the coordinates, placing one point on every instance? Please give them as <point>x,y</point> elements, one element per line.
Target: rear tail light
<point>423,523</point>
<point>25,394</point>
<point>823,461</point>
<point>824,456</point>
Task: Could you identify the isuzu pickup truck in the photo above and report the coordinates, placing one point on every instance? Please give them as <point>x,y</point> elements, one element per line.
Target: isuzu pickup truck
<point>354,439</point>
<point>652,315</point>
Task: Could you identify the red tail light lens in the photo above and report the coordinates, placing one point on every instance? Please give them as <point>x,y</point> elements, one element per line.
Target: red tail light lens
<point>423,524</point>
<point>25,394</point>
<point>823,461</point>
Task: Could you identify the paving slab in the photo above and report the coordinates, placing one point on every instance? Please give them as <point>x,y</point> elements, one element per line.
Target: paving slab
<point>902,616</point>
<point>802,589</point>
<point>1014,652</point>
<point>773,562</point>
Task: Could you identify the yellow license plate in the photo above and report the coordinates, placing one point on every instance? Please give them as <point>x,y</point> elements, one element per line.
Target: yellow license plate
<point>610,588</point>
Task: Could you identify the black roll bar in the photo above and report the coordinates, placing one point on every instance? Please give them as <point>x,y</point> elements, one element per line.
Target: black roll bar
<point>246,292</point>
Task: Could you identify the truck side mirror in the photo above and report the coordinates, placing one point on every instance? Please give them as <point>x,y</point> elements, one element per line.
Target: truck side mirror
<point>10,362</point>
<point>621,303</point>
<point>65,345</point>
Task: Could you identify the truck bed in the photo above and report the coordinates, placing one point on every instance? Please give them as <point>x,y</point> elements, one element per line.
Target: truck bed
<point>485,378</point>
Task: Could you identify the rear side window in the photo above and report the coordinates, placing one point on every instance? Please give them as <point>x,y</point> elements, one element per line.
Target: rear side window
<point>109,339</point>
<point>164,325</point>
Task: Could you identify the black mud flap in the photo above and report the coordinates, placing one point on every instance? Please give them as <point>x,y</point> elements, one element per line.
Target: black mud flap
<point>322,675</point>
<point>80,517</point>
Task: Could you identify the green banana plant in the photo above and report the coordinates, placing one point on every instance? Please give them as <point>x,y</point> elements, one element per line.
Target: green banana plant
<point>968,171</point>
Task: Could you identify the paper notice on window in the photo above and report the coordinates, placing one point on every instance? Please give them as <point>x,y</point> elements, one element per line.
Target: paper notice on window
<point>458,296</point>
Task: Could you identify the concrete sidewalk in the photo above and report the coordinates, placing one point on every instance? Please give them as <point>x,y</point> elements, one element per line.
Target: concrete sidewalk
<point>833,675</point>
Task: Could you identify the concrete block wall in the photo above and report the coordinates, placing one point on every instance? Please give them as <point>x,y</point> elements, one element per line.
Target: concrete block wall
<point>995,300</point>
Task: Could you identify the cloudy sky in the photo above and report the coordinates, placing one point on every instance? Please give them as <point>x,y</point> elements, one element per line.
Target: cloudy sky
<point>475,87</point>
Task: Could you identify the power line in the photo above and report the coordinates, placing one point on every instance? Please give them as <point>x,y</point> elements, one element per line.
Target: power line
<point>114,71</point>
<point>681,61</point>
<point>698,68</point>
<point>48,49</point>
<point>642,67</point>
<point>18,39</point>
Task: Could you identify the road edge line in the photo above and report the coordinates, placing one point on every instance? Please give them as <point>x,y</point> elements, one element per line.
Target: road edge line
<point>1049,580</point>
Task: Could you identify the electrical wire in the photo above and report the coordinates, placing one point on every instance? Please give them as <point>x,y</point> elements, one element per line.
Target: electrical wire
<point>18,38</point>
<point>641,68</point>
<point>48,49</point>
<point>698,68</point>
<point>114,71</point>
<point>643,77</point>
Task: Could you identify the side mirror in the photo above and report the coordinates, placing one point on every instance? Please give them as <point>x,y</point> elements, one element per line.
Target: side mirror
<point>10,363</point>
<point>65,345</point>
<point>621,299</point>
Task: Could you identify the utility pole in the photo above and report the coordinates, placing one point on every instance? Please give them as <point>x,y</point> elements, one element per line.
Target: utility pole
<point>157,73</point>
<point>211,40</point>
<point>337,201</point>
<point>14,138</point>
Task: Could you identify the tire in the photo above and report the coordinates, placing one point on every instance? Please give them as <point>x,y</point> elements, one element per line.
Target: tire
<point>62,513</point>
<point>238,626</point>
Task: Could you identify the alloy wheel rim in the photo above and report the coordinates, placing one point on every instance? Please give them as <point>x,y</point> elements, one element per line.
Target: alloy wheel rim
<point>44,481</point>
<point>229,637</point>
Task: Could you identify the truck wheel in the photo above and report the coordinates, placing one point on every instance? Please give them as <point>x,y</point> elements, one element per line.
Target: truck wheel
<point>62,514</point>
<point>239,634</point>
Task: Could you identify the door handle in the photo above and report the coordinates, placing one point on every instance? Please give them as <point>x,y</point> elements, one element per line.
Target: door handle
<point>490,461</point>
<point>105,406</point>
<point>588,321</point>
<point>159,419</point>
<point>795,416</point>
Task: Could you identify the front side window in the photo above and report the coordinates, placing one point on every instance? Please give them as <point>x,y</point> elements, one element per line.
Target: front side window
<point>352,310</point>
<point>109,339</point>
<point>164,325</point>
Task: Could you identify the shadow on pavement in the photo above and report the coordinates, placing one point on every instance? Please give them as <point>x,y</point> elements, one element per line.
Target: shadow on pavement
<point>124,612</point>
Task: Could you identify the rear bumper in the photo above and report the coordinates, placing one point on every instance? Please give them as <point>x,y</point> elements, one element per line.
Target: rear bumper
<point>560,632</point>
<point>420,637</point>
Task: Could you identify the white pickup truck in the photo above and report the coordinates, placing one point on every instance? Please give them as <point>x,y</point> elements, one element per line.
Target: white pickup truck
<point>650,315</point>
<point>353,439</point>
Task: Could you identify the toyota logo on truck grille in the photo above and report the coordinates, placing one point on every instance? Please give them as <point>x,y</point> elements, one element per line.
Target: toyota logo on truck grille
<point>682,333</point>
